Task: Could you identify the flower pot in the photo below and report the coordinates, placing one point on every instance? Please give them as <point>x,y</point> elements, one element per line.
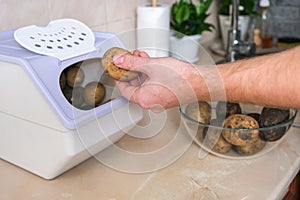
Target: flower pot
<point>185,48</point>
<point>225,26</point>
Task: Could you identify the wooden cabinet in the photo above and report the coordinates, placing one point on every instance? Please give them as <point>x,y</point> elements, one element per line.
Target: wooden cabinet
<point>293,192</point>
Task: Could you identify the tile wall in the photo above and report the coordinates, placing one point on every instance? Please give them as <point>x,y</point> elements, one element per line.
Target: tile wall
<point>117,16</point>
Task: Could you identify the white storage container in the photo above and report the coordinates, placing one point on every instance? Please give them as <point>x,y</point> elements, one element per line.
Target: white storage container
<point>40,130</point>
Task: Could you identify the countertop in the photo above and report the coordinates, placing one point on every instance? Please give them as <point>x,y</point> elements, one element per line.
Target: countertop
<point>186,176</point>
<point>177,170</point>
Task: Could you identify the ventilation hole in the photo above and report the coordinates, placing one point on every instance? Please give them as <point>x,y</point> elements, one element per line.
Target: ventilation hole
<point>31,37</point>
<point>55,34</point>
<point>51,41</point>
<point>65,38</point>
<point>59,47</point>
<point>83,34</point>
<point>49,47</point>
<point>39,34</point>
<point>72,33</point>
<point>68,45</point>
<point>37,45</point>
<point>51,35</point>
<point>69,36</point>
<point>76,43</point>
<point>45,35</point>
<point>58,40</point>
<point>59,33</point>
<point>43,40</point>
<point>73,27</point>
<point>81,39</point>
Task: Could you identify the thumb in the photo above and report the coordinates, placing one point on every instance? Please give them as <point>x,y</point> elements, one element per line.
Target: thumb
<point>130,62</point>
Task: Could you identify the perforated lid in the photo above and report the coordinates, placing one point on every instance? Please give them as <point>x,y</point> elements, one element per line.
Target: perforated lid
<point>63,38</point>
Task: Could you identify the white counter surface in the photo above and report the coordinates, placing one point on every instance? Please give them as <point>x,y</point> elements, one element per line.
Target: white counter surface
<point>188,177</point>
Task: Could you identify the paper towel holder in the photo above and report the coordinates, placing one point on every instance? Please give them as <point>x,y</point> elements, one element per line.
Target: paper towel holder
<point>153,3</point>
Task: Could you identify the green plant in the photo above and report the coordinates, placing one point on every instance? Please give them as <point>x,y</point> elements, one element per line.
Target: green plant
<point>248,5</point>
<point>188,18</point>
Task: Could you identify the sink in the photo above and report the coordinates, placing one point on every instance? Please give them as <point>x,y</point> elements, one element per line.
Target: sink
<point>258,52</point>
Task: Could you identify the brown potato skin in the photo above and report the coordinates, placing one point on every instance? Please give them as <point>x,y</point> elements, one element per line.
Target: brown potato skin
<point>239,137</point>
<point>67,91</point>
<point>62,80</point>
<point>75,76</point>
<point>77,96</point>
<point>74,95</point>
<point>112,70</point>
<point>215,140</point>
<point>251,148</point>
<point>225,109</point>
<point>271,117</point>
<point>94,93</point>
<point>199,111</point>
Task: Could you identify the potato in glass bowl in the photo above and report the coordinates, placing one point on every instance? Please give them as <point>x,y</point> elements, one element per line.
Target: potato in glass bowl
<point>236,130</point>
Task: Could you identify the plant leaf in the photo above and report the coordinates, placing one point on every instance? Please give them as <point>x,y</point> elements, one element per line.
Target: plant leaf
<point>182,14</point>
<point>203,6</point>
<point>188,18</point>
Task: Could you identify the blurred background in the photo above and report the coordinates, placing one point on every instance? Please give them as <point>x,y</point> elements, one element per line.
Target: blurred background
<point>120,16</point>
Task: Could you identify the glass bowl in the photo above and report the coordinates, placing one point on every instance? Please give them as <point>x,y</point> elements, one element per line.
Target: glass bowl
<point>236,131</point>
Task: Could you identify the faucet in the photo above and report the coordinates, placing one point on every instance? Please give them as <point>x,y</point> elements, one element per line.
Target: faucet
<point>236,48</point>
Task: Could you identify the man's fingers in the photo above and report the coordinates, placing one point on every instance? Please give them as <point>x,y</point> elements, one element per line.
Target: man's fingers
<point>141,54</point>
<point>126,89</point>
<point>131,62</point>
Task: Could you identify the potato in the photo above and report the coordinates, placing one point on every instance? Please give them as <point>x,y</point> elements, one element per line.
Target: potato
<point>214,139</point>
<point>62,80</point>
<point>271,117</point>
<point>77,96</point>
<point>256,116</point>
<point>225,109</point>
<point>67,91</point>
<point>251,148</point>
<point>74,75</point>
<point>240,137</point>
<point>199,111</point>
<point>78,64</point>
<point>112,70</point>
<point>74,95</point>
<point>94,93</point>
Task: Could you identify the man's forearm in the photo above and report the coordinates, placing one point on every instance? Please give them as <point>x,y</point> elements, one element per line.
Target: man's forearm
<point>272,80</point>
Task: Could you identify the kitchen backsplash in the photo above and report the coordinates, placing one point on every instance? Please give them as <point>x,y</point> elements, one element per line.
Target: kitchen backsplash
<point>117,16</point>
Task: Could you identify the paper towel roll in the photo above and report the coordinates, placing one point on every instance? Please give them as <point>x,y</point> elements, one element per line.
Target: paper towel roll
<point>153,27</point>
